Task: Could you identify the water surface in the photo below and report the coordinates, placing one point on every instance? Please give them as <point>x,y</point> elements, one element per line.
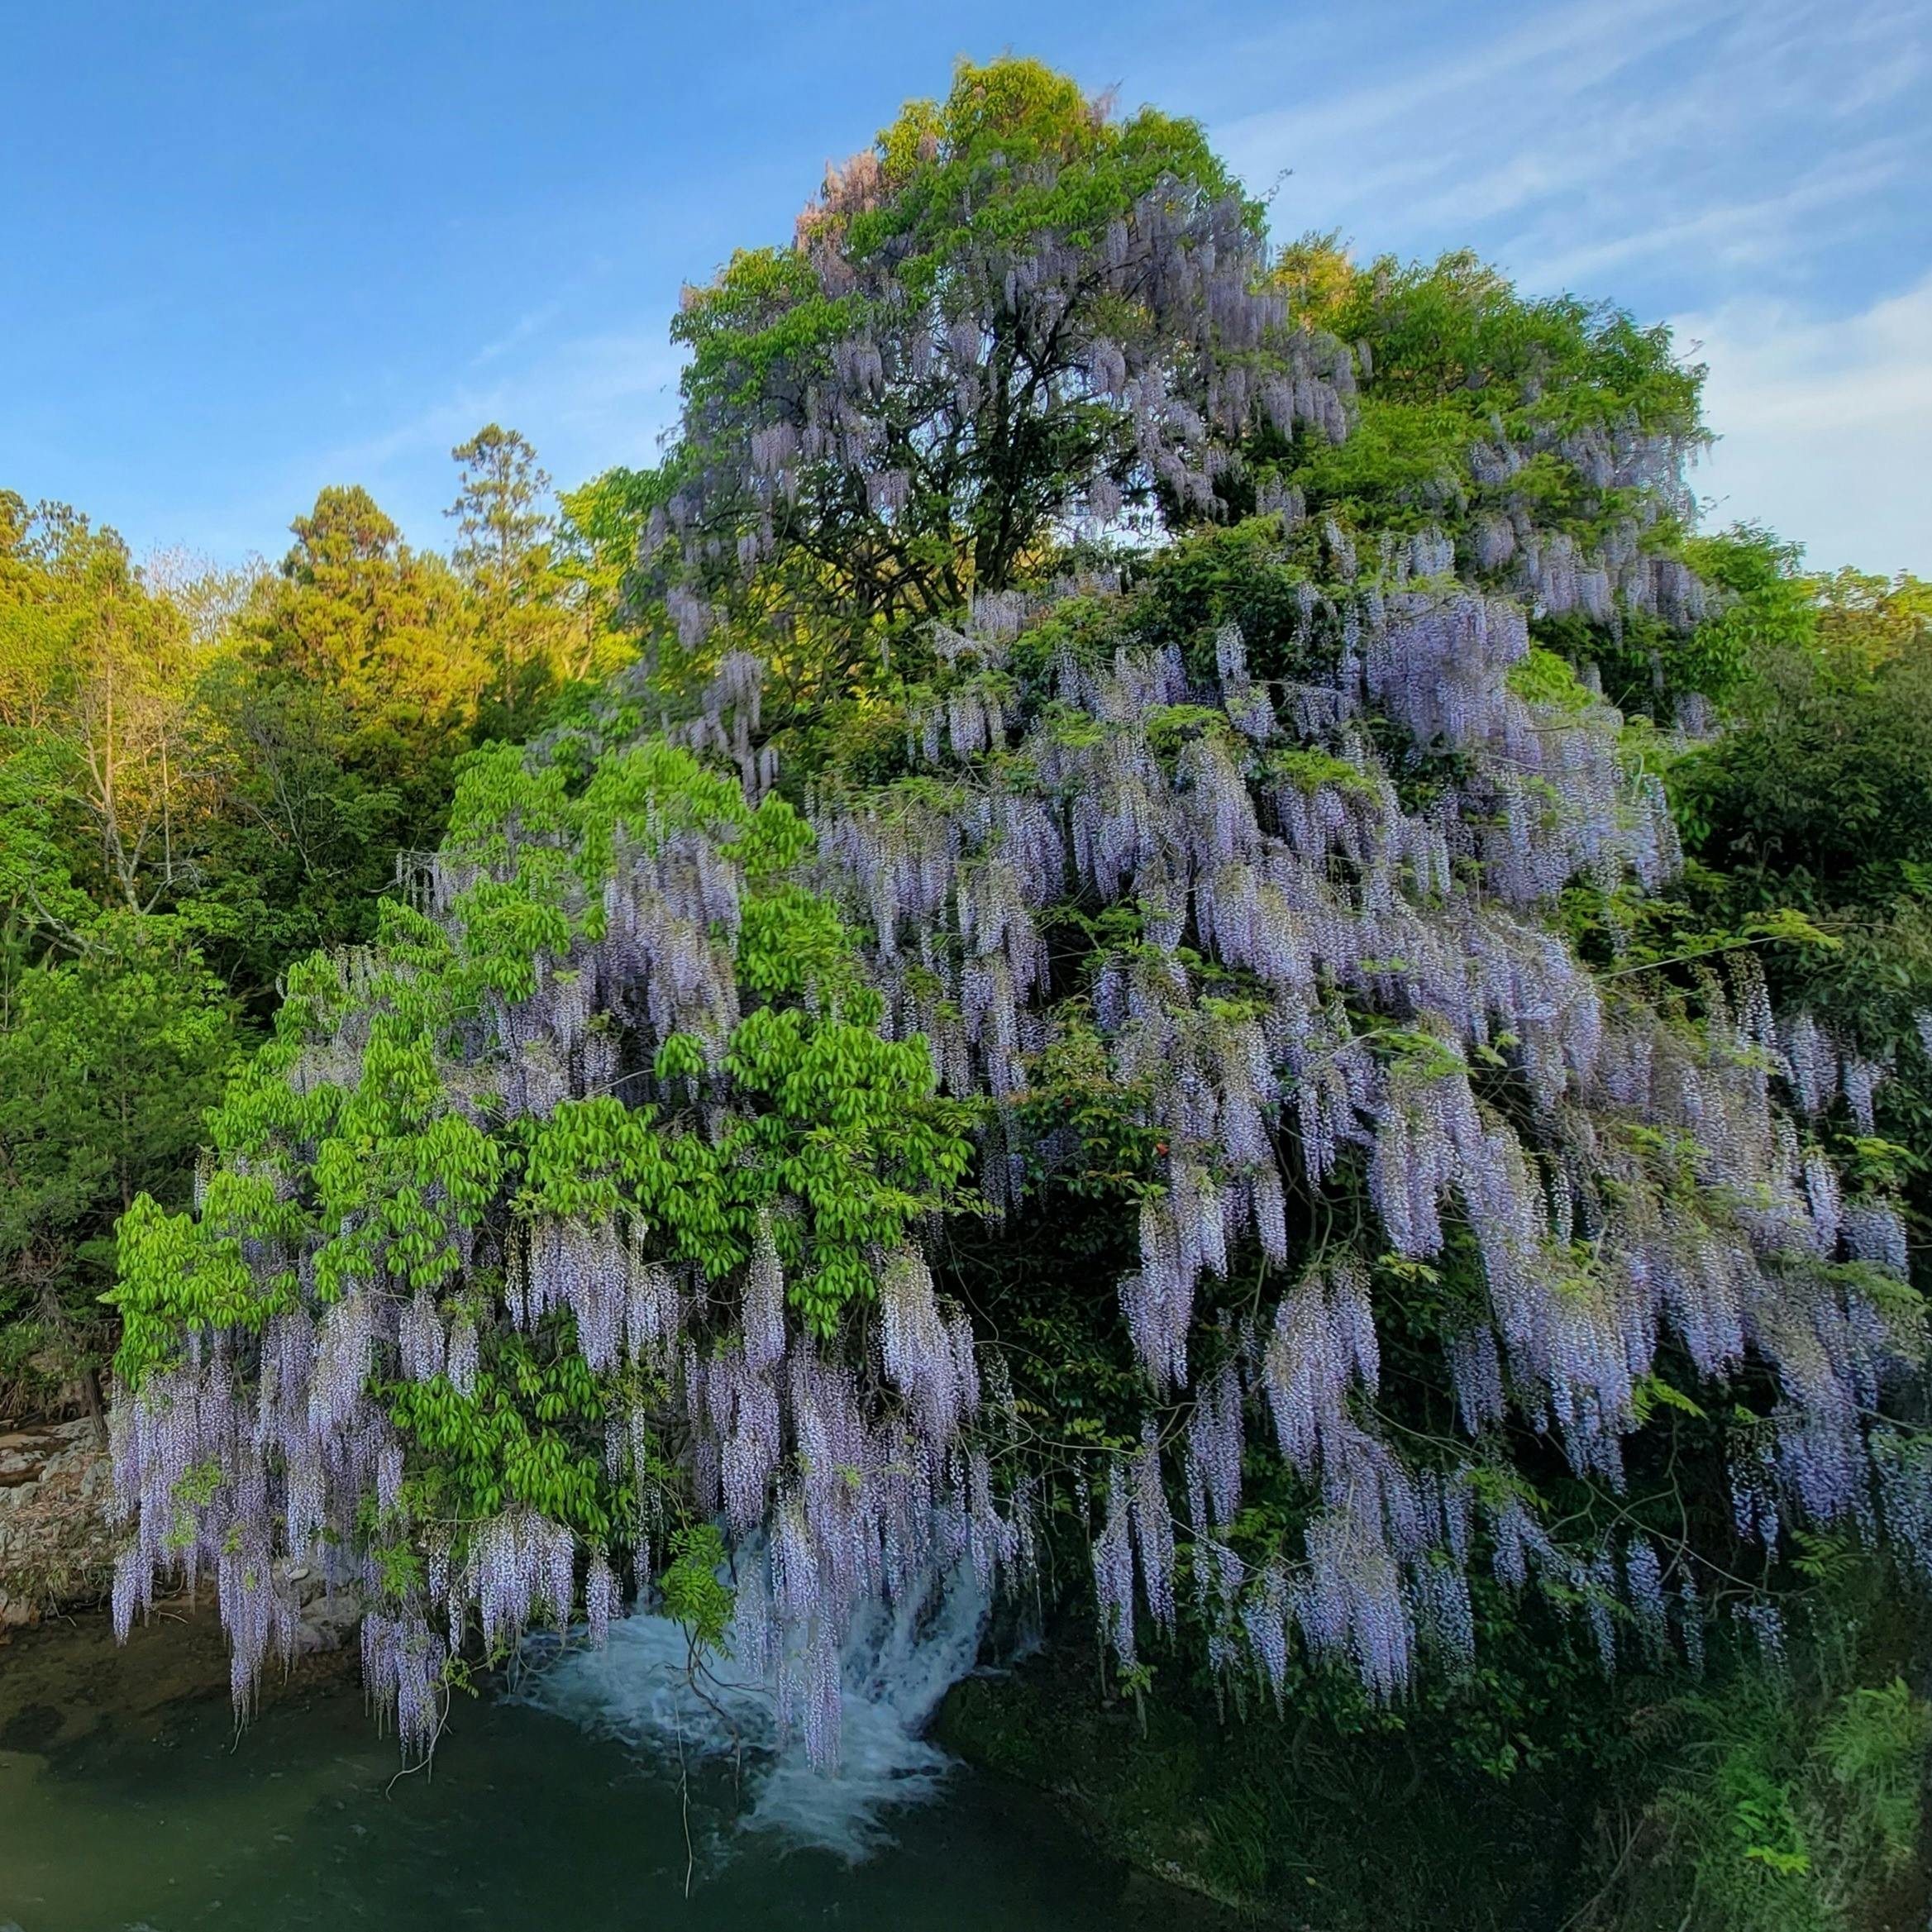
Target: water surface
<point>127,1801</point>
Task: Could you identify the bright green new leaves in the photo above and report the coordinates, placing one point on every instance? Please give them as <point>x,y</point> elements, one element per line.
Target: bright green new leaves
<point>790,940</point>
<point>175,1276</point>
<point>840,1144</point>
<point>540,850</point>
<point>397,1199</point>
<point>1013,150</point>
<point>848,1127</point>
<point>519,1437</point>
<point>692,1594</point>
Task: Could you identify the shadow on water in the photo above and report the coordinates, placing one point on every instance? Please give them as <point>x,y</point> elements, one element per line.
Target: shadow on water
<point>127,1801</point>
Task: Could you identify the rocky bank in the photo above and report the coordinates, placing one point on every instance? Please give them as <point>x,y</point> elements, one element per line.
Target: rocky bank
<point>58,1540</point>
<point>56,1543</point>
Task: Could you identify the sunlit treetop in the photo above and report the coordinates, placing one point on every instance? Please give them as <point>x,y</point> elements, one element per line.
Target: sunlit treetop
<point>1022,331</point>
<point>1013,316</point>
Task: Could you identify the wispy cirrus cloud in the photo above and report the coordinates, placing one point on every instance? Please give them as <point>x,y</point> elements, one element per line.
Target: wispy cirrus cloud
<point>589,400</point>
<point>1747,232</point>
<point>1565,50</point>
<point>519,332</point>
<point>1679,142</point>
<point>1755,170</point>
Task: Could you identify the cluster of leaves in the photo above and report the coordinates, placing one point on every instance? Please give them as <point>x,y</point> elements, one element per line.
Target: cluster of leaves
<point>108,1063</point>
<point>1456,364</point>
<point>1811,802</point>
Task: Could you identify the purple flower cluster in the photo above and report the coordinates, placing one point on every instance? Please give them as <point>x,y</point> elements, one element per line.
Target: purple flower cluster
<point>1342,906</point>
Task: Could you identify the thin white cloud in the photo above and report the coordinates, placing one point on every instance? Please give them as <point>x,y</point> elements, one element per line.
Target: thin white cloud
<point>1824,425</point>
<point>1567,49</point>
<point>1740,232</point>
<point>625,381</point>
<point>520,330</point>
<point>586,402</point>
<point>444,423</point>
<point>1712,144</point>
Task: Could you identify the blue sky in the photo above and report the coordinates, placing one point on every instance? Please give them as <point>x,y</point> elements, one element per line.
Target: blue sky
<point>250,251</point>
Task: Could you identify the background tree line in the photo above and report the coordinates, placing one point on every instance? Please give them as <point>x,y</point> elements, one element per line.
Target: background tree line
<point>206,773</point>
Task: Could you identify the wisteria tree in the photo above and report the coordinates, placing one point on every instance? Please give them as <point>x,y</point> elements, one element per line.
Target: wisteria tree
<point>1271,885</point>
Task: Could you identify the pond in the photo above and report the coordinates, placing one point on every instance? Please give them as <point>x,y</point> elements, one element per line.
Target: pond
<point>128,1800</point>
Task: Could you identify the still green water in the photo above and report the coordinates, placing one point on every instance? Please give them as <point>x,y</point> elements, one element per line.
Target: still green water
<point>127,1801</point>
